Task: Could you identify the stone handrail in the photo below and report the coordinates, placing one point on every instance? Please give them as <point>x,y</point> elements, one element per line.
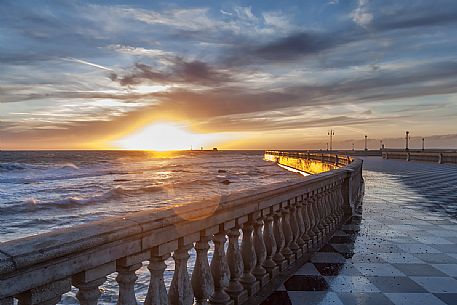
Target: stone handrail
<point>440,157</point>
<point>280,223</point>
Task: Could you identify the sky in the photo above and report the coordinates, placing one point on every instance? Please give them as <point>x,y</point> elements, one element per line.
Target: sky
<point>246,74</point>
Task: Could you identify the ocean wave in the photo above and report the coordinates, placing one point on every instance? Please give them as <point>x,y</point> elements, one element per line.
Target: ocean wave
<point>115,193</point>
<point>68,165</point>
<point>12,166</point>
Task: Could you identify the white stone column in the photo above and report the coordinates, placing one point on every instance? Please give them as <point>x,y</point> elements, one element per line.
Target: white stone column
<point>235,261</point>
<point>294,229</point>
<point>89,292</point>
<point>270,246</point>
<point>249,259</point>
<point>220,271</point>
<point>202,280</point>
<point>180,292</point>
<point>157,293</point>
<point>313,233</point>
<point>49,294</point>
<point>89,281</point>
<point>287,252</point>
<point>322,223</point>
<point>301,224</point>
<point>126,279</point>
<point>278,257</point>
<point>259,245</point>
<point>307,215</point>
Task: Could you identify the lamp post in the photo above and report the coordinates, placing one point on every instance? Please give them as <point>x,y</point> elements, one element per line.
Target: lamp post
<point>331,134</point>
<point>423,144</point>
<point>407,140</point>
<point>327,145</point>
<point>366,147</point>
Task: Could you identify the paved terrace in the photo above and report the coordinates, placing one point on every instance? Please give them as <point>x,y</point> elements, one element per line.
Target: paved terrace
<point>402,250</point>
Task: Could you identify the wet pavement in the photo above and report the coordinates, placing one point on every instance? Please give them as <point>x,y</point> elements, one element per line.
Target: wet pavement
<point>402,250</point>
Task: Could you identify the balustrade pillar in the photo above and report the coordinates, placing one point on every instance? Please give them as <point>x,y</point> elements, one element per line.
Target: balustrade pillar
<point>89,292</point>
<point>202,279</point>
<point>235,261</point>
<point>318,229</point>
<point>49,294</point>
<point>315,220</point>
<point>126,279</point>
<point>180,292</point>
<point>157,293</point>
<point>323,227</point>
<point>295,231</point>
<point>270,246</point>
<point>278,257</point>
<point>306,214</point>
<point>249,259</point>
<point>287,252</point>
<point>326,212</point>
<point>89,281</point>
<point>261,252</point>
<point>301,224</point>
<point>341,201</point>
<point>220,271</point>
<point>336,207</point>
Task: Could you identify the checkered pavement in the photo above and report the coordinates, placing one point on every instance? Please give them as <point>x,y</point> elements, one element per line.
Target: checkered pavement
<point>402,250</point>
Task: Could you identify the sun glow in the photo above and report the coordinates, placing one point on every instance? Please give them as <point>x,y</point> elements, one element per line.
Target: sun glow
<point>164,137</point>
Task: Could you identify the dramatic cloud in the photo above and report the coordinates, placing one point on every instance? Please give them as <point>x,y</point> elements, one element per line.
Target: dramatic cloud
<point>194,72</point>
<point>69,68</point>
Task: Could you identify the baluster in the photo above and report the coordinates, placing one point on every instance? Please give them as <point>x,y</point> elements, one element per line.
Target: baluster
<point>180,292</point>
<point>157,293</point>
<point>126,277</point>
<point>249,259</point>
<point>219,270</point>
<point>287,252</point>
<point>326,210</point>
<point>340,200</point>
<point>315,220</point>
<point>270,246</point>
<point>300,223</point>
<point>49,294</point>
<point>261,252</point>
<point>336,208</point>
<point>89,281</point>
<point>294,229</point>
<point>202,280</point>
<point>279,259</point>
<point>323,209</point>
<point>320,217</point>
<point>306,214</point>
<point>330,213</point>
<point>235,289</point>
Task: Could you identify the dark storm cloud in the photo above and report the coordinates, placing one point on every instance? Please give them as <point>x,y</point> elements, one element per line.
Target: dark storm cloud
<point>194,72</point>
<point>427,14</point>
<point>287,48</point>
<point>297,45</point>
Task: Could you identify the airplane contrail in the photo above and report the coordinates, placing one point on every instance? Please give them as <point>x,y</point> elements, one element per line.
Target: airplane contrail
<point>88,63</point>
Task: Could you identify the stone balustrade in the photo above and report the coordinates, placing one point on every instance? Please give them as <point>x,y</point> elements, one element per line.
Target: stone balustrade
<point>428,156</point>
<point>280,224</point>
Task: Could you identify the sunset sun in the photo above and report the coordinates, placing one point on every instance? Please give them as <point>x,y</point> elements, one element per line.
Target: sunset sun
<point>165,136</point>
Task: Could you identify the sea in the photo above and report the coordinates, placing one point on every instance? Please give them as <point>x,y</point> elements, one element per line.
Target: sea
<point>44,190</point>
